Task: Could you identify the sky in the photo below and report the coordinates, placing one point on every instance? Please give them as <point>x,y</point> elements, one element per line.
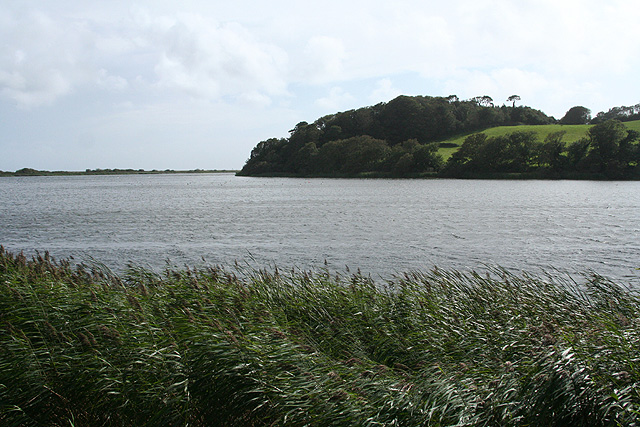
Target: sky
<point>196,84</point>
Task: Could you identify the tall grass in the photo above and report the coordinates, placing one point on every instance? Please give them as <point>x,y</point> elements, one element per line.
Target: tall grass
<point>206,347</point>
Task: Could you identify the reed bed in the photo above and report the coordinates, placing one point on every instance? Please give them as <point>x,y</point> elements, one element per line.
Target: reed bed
<point>213,347</point>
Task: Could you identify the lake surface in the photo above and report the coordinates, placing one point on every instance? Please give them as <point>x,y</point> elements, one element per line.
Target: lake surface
<point>382,227</point>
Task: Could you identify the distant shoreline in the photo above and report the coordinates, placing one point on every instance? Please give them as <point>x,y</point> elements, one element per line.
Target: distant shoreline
<point>539,175</point>
<point>35,172</point>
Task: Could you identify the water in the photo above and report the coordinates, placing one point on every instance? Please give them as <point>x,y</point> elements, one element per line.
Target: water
<point>382,227</point>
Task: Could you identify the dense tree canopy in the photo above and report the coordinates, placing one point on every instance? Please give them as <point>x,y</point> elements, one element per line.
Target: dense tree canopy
<point>618,113</point>
<point>577,115</point>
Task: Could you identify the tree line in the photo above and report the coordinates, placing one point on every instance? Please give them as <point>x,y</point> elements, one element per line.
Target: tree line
<point>400,138</point>
<point>36,172</point>
<point>580,115</point>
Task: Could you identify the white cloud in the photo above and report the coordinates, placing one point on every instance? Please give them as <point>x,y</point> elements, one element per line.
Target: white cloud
<point>384,91</point>
<point>337,99</point>
<point>36,59</point>
<point>255,99</point>
<point>106,80</point>
<point>31,89</point>
<point>45,57</point>
<point>210,61</point>
<point>323,58</point>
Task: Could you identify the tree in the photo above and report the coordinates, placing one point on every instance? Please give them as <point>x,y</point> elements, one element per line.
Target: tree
<point>605,141</point>
<point>333,133</point>
<point>466,158</point>
<point>577,115</point>
<point>504,153</point>
<point>513,98</point>
<point>364,154</point>
<point>485,101</point>
<point>577,153</point>
<point>628,150</point>
<point>520,150</point>
<point>623,114</point>
<point>550,152</point>
<point>349,156</point>
<point>493,155</point>
<point>426,157</point>
<point>305,158</point>
<point>402,119</point>
<point>527,115</point>
<point>405,164</point>
<point>469,149</point>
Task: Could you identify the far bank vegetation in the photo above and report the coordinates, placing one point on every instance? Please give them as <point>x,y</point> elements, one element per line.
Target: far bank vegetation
<point>437,136</point>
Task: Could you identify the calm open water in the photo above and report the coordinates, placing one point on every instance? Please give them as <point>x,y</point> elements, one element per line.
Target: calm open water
<point>382,227</point>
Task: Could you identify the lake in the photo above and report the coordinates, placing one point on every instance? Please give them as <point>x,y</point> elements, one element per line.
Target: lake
<point>382,227</point>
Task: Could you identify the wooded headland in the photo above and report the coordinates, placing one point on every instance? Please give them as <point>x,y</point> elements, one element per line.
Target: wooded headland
<point>445,137</point>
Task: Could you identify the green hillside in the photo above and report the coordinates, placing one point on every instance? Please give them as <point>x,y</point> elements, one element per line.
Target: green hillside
<point>573,133</point>
<point>421,136</point>
<point>388,139</point>
<point>634,125</point>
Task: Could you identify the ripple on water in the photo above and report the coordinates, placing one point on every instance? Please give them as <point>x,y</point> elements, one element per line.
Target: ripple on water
<point>380,226</point>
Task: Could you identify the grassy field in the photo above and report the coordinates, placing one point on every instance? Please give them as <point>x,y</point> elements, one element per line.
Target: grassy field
<point>573,133</point>
<point>217,347</point>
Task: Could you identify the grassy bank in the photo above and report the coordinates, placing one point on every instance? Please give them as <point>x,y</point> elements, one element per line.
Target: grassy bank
<point>573,133</point>
<point>82,347</point>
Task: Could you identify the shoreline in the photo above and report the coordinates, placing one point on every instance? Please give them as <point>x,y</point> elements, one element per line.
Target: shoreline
<point>92,172</point>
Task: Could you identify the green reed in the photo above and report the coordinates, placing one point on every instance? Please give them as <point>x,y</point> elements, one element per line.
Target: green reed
<point>231,347</point>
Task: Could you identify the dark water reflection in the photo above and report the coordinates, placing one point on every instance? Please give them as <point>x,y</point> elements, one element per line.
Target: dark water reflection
<point>380,226</point>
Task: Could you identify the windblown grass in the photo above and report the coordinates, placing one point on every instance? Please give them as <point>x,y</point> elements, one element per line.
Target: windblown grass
<point>207,347</point>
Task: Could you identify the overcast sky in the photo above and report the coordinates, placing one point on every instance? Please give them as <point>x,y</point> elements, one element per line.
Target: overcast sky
<point>198,83</point>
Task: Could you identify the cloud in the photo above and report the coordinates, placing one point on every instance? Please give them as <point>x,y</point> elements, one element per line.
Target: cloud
<point>384,91</point>
<point>323,58</point>
<point>36,59</point>
<point>33,89</point>
<point>337,99</point>
<point>45,57</point>
<point>106,80</point>
<point>207,60</point>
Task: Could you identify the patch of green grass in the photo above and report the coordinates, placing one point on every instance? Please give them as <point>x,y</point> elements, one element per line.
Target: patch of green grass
<point>82,347</point>
<point>635,125</point>
<point>448,151</point>
<point>573,133</point>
